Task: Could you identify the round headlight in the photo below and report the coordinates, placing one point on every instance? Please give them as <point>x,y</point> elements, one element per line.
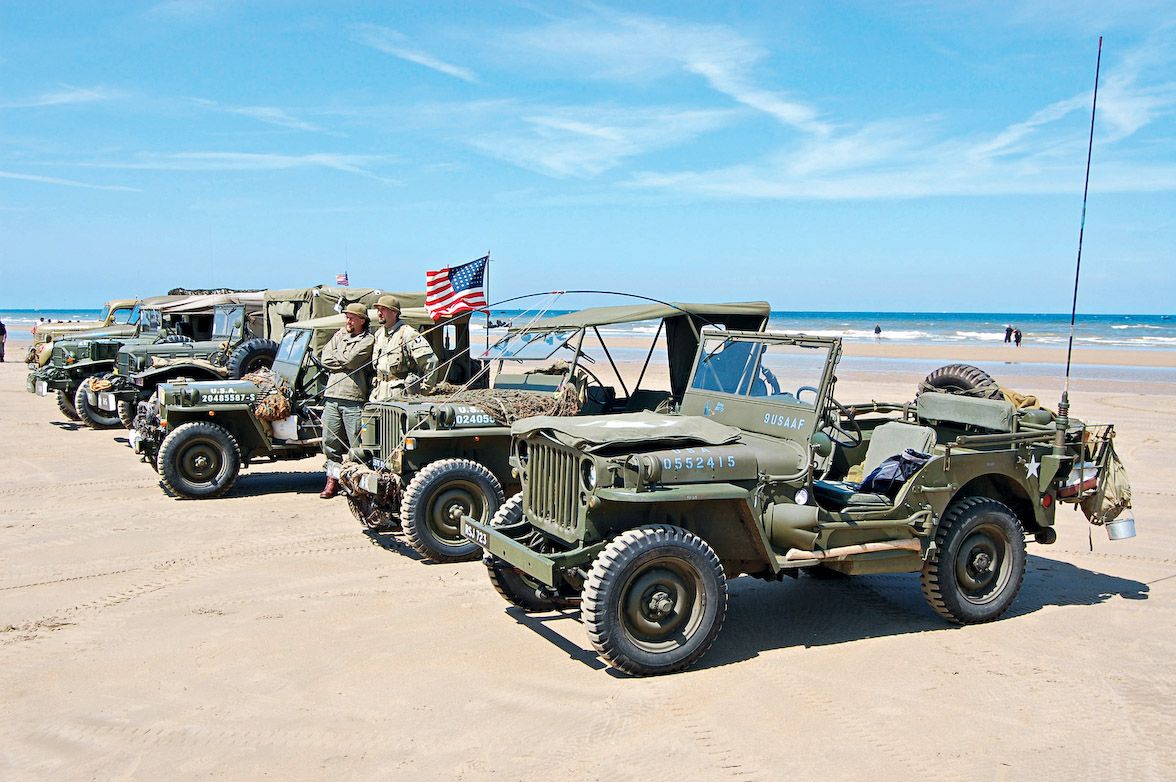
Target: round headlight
<point>588,474</point>
<point>801,497</point>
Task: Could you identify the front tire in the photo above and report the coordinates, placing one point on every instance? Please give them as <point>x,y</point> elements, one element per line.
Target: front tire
<point>66,406</point>
<point>92,416</point>
<point>654,600</point>
<point>516,587</point>
<point>434,502</point>
<point>199,461</point>
<point>126,414</point>
<point>980,562</point>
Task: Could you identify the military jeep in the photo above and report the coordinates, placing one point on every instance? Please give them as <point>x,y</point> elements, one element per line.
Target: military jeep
<point>199,434</point>
<point>237,346</point>
<point>119,318</point>
<point>641,519</point>
<point>427,460</point>
<point>76,360</point>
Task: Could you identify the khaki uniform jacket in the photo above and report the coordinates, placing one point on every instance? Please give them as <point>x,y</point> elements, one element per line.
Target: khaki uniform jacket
<point>401,351</point>
<point>347,358</point>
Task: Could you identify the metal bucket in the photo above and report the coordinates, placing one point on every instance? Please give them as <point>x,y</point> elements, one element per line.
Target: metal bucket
<point>1121,528</point>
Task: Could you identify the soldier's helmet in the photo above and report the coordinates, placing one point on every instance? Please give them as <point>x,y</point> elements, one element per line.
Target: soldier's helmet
<point>356,308</point>
<point>389,301</point>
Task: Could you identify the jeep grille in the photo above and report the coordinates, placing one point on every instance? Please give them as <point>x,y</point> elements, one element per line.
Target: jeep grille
<point>390,430</point>
<point>552,488</point>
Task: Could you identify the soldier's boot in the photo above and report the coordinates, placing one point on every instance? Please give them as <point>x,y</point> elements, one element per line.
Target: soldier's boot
<point>331,489</point>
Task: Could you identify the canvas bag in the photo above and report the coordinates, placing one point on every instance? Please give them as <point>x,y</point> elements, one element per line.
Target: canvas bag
<point>889,476</point>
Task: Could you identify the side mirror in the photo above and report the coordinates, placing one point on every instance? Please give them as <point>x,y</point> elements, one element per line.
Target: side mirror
<point>822,444</point>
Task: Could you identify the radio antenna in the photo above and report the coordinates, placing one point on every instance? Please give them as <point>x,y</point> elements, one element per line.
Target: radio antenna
<point>1064,406</point>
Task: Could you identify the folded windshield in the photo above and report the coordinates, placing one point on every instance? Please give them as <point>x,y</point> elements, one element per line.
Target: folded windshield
<point>529,346</point>
<point>293,346</point>
<point>227,322</point>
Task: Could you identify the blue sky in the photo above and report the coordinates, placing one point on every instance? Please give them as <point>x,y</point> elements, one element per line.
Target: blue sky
<point>870,156</point>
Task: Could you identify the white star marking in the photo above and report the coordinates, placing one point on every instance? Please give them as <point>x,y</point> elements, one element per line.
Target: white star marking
<point>1032,467</point>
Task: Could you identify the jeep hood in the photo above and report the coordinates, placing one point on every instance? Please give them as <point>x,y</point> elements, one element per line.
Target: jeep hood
<point>627,429</point>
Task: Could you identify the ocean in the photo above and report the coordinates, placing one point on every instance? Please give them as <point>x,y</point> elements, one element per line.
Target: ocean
<point>1137,332</point>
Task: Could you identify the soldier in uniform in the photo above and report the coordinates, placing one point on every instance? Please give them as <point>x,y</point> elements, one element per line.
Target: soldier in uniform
<point>347,356</point>
<point>405,364</point>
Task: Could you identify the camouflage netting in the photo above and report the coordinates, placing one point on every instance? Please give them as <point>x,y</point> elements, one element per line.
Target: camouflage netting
<point>273,398</point>
<point>506,406</point>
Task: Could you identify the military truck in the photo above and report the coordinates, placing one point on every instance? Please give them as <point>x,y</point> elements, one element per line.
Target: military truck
<point>427,460</point>
<point>119,317</point>
<point>641,519</point>
<point>199,435</point>
<point>237,345</point>
<point>75,360</point>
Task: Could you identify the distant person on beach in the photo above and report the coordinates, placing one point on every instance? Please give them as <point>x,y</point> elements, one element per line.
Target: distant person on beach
<point>1017,337</point>
<point>3,338</point>
<point>877,331</point>
<point>1008,334</point>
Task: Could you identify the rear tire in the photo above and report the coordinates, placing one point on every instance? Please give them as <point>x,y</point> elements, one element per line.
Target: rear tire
<point>199,461</point>
<point>962,379</point>
<point>654,600</point>
<point>91,416</point>
<point>251,356</point>
<point>66,406</point>
<point>980,562</point>
<point>432,499</point>
<point>126,414</point>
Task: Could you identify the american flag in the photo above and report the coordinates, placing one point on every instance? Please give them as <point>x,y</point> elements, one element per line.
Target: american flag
<point>457,289</point>
<point>341,279</point>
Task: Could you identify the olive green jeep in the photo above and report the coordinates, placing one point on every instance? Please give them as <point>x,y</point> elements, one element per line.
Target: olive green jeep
<point>641,519</point>
<point>199,434</point>
<point>425,461</point>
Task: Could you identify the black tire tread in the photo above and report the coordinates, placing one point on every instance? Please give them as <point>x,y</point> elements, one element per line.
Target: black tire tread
<point>247,353</point>
<point>421,485</point>
<point>962,379</point>
<point>66,406</point>
<point>95,419</point>
<point>593,608</point>
<point>934,571</point>
<point>163,461</point>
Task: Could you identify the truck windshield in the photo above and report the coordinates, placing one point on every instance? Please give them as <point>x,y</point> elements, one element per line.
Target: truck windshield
<point>529,346</point>
<point>126,315</point>
<point>149,321</point>
<point>780,371</point>
<point>226,322</point>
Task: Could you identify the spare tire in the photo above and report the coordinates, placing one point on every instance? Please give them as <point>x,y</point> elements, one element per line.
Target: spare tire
<point>963,379</point>
<point>251,356</point>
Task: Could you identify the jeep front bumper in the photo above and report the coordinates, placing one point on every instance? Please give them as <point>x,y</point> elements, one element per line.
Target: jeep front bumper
<point>546,568</point>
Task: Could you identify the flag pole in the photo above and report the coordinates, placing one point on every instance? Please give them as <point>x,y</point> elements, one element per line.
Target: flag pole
<point>486,283</point>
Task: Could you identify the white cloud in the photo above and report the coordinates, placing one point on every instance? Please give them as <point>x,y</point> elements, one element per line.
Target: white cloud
<point>391,42</point>
<point>65,96</point>
<point>48,180</point>
<point>249,161</point>
<point>585,141</point>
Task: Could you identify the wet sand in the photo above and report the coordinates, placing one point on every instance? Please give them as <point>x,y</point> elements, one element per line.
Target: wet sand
<point>264,634</point>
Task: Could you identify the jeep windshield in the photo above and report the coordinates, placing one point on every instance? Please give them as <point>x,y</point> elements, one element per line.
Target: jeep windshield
<point>529,346</point>
<point>292,348</point>
<point>783,371</point>
<point>226,322</point>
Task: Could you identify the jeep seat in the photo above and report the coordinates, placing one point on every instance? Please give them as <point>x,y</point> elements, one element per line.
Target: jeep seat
<point>889,439</point>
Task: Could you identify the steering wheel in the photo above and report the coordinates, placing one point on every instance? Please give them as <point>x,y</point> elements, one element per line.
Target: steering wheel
<point>770,379</point>
<point>834,427</point>
<point>816,392</point>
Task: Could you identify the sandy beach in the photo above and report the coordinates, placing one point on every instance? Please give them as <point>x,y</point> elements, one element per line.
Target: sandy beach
<point>266,635</point>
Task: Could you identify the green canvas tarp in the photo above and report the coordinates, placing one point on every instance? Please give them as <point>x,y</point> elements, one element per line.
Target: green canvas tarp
<point>292,305</point>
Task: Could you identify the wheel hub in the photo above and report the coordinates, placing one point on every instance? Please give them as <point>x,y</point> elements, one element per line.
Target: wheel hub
<point>660,604</point>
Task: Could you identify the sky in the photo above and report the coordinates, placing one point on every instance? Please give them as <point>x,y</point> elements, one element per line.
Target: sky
<point>899,156</point>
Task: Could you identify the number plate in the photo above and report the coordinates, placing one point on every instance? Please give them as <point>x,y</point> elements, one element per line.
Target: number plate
<point>42,388</point>
<point>91,398</point>
<point>107,401</point>
<point>470,532</point>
